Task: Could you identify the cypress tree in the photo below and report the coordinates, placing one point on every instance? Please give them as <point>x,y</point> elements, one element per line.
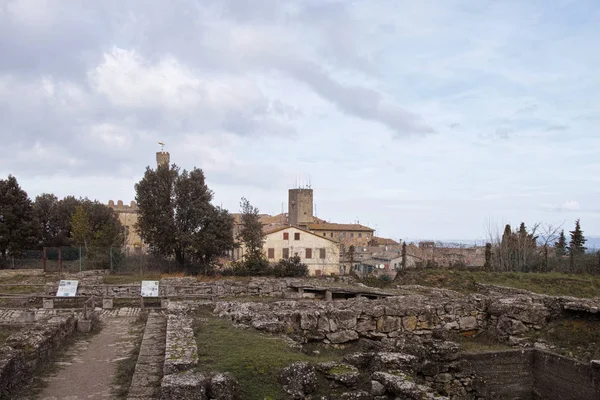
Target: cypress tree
<point>560,246</point>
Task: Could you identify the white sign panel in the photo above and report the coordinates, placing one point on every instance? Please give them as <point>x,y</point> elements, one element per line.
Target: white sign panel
<point>67,288</point>
<point>149,288</point>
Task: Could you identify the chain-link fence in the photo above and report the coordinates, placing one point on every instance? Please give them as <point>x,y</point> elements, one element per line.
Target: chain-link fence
<point>64,259</point>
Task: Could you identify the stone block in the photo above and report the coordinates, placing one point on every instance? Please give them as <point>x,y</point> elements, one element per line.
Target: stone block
<point>183,386</point>
<point>27,316</point>
<point>48,303</point>
<point>107,303</point>
<point>84,325</point>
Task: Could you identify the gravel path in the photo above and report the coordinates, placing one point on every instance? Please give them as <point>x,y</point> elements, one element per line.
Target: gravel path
<point>92,361</point>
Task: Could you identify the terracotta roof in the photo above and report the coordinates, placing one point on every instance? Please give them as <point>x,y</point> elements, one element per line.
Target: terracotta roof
<point>379,241</point>
<point>330,226</point>
<point>275,229</point>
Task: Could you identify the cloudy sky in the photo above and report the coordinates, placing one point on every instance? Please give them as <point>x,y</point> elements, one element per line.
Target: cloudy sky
<point>423,119</point>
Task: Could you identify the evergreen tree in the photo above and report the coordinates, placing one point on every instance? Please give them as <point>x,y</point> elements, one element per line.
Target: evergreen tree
<point>17,222</point>
<point>253,238</point>
<point>176,217</point>
<point>560,246</point>
<point>403,255</point>
<point>48,225</point>
<point>576,245</point>
<point>488,256</point>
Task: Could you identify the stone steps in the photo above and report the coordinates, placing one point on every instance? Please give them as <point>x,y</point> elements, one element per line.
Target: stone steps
<point>147,377</point>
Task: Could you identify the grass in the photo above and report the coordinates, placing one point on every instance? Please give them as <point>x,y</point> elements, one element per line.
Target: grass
<point>573,337</point>
<point>552,283</point>
<point>126,366</point>
<point>255,359</point>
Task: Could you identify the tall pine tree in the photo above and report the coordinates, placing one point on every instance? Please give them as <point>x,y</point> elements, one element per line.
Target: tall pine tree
<point>576,245</point>
<point>560,246</point>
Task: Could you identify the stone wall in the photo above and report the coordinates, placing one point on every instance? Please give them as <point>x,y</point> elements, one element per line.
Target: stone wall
<point>26,349</point>
<point>344,321</point>
<point>505,374</point>
<point>534,374</point>
<point>563,378</point>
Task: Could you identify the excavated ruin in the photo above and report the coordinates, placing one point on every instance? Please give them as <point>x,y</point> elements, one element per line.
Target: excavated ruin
<point>400,343</point>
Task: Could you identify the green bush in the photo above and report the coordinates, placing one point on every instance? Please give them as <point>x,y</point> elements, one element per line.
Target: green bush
<point>290,267</point>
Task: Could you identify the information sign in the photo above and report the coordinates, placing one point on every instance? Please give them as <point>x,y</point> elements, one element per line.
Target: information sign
<point>149,288</point>
<point>67,288</point>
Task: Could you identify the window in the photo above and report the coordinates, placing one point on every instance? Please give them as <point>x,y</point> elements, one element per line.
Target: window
<point>321,253</point>
<point>286,253</point>
<point>286,236</point>
<point>343,234</point>
<point>297,236</point>
<point>308,253</point>
<point>271,253</point>
<point>352,234</point>
<point>360,235</point>
<point>330,234</point>
<point>324,234</point>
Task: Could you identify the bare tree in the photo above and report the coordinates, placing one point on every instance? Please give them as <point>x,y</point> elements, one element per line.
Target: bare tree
<point>549,234</point>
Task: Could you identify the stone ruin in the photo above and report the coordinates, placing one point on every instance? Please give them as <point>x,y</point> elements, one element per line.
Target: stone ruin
<point>402,339</point>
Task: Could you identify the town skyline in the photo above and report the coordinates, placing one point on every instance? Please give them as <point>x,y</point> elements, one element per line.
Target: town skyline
<point>428,119</point>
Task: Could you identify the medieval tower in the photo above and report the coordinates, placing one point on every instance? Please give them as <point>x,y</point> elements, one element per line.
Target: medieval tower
<point>300,207</point>
<point>162,158</point>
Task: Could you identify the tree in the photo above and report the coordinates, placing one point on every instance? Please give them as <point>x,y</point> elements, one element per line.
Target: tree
<point>576,245</point>
<point>17,222</point>
<point>560,246</point>
<point>216,238</point>
<point>403,255</point>
<point>253,237</point>
<point>45,212</point>
<point>81,232</point>
<point>488,256</point>
<point>176,217</point>
<point>290,267</point>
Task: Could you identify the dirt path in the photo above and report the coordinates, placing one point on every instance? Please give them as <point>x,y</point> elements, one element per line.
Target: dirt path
<point>92,361</point>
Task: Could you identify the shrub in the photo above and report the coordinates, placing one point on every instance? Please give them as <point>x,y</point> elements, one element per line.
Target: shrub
<point>290,267</point>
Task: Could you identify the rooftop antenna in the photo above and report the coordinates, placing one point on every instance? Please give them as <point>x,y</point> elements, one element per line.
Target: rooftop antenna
<point>162,146</point>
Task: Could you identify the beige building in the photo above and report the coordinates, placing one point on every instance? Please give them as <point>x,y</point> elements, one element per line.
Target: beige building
<point>128,215</point>
<point>321,255</point>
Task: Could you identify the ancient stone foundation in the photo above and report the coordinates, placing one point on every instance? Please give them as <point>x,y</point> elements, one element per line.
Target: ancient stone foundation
<point>25,350</point>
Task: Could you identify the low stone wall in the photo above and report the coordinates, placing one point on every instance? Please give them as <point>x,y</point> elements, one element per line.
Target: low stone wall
<point>181,350</point>
<point>26,349</point>
<point>534,375</point>
<point>149,367</point>
<point>340,322</point>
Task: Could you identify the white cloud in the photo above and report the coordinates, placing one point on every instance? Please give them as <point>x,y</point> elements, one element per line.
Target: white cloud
<point>344,92</point>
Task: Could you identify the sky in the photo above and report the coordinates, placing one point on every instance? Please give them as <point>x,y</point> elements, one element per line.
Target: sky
<point>421,119</point>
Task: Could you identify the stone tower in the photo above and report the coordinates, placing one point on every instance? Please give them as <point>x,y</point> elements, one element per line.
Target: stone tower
<point>162,158</point>
<point>300,207</point>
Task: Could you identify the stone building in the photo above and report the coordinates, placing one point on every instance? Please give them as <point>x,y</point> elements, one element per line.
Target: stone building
<point>321,255</point>
<point>128,215</point>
